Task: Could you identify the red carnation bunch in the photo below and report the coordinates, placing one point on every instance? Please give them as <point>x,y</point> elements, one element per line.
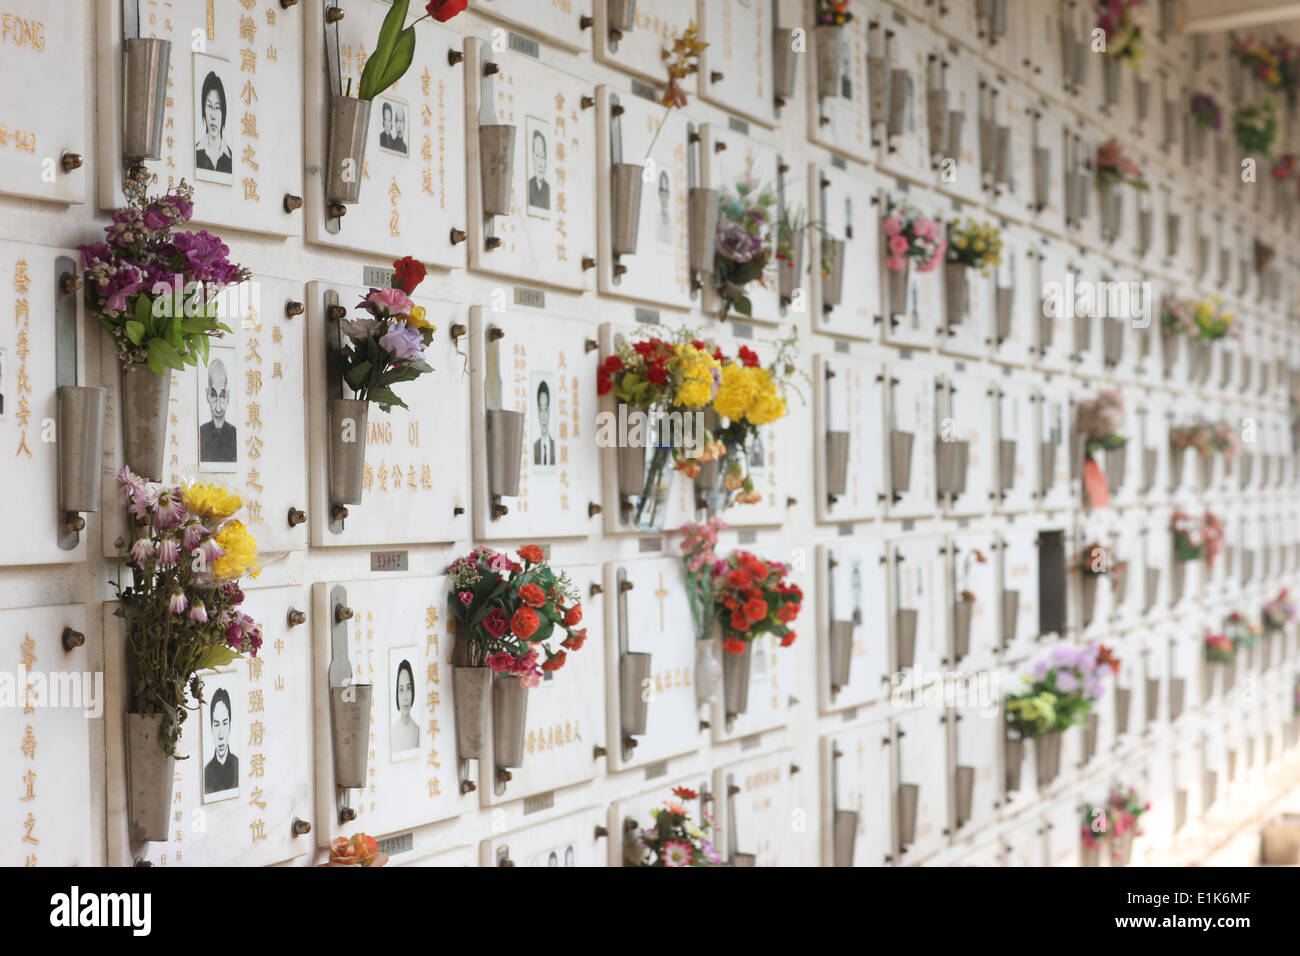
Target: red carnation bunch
<point>752,598</point>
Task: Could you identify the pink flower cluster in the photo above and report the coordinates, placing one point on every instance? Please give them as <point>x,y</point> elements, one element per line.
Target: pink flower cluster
<point>698,541</point>
<point>525,667</point>
<point>912,236</point>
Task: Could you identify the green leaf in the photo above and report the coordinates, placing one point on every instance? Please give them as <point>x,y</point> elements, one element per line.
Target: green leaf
<point>143,309</point>
<point>135,331</point>
<point>165,354</point>
<point>744,306</point>
<point>196,326</point>
<point>155,364</point>
<point>380,61</point>
<point>356,375</point>
<point>218,655</point>
<point>385,398</point>
<point>200,345</point>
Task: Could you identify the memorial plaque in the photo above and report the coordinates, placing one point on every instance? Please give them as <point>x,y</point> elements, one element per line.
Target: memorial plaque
<point>29,407</point>
<point>1043,47</point>
<point>857,775</point>
<point>639,50</point>
<point>238,420</point>
<point>635,812</point>
<point>1061,830</point>
<point>459,857</point>
<point>1019,483</point>
<point>1019,554</point>
<point>973,594</point>
<point>412,180</point>
<point>233,128</point>
<point>549,231</point>
<point>854,586</point>
<point>841,120</point>
<point>847,205</point>
<point>550,377</point>
<point>753,801</point>
<point>921,742</point>
<point>736,68</point>
<point>959,22</point>
<point>917,586</point>
<point>656,621</point>
<point>910,411</point>
<point>566,712</point>
<point>567,841</point>
<point>267,738</point>
<point>50,723</point>
<point>968,331</point>
<point>1154,667</point>
<point>1126,593</point>
<point>969,417</point>
<point>398,627</point>
<point>733,158</point>
<point>976,734</point>
<point>848,399</point>
<point>1023,845</point>
<point>1016,308</point>
<point>1093,529</point>
<point>659,271</point>
<point>414,467</point>
<point>906,145</point>
<point>34,139</point>
<point>1049,137</point>
<point>559,23</point>
<point>1014,109</point>
<point>958,157</point>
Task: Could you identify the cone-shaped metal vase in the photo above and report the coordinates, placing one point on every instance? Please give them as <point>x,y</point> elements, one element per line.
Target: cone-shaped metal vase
<point>789,269</point>
<point>845,836</point>
<point>1116,466</point>
<point>471,689</point>
<point>1047,334</point>
<point>1150,460</point>
<point>1042,176</point>
<point>964,787</point>
<point>634,706</point>
<point>900,92</point>
<point>509,721</point>
<point>1082,334</point>
<point>960,467</point>
<point>1144,231</point>
<point>1015,758</point>
<point>1048,464</point>
<point>1010,615</point>
<point>1168,351</point>
<point>1152,699</point>
<point>1180,809</point>
<point>785,64</point>
<point>837,462</point>
<point>1177,580</point>
<point>936,109</point>
<point>505,432</point>
<point>145,62</point>
<point>1003,298</point>
<point>350,724</point>
<point>1112,340</point>
<point>702,212</point>
<point>1088,594</point>
<point>961,614</point>
<point>1176,458</point>
<point>1006,463</point>
<point>144,420</point>
<point>1209,787</point>
<point>735,681</point>
<point>1090,731</point>
<point>496,155</point>
<point>347,449</point>
<point>878,77</point>
<point>900,460</point>
<point>832,265</point>
<point>1090,855</point>
<point>81,446</point>
<point>1123,699</point>
<point>841,652</point>
<point>345,155</point>
<point>956,126</point>
<point>1047,756</point>
<point>1177,692</point>
<point>1152,588</point>
<point>1173,232</point>
<point>620,14</point>
<point>909,795</point>
<point>827,40</point>
<point>896,284</point>
<point>625,180</point>
<point>150,772</point>
<point>956,292</point>
<point>905,636</point>
<point>1206,470</point>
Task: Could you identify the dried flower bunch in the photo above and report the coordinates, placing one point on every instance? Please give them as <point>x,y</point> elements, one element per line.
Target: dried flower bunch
<point>1206,112</point>
<point>682,61</point>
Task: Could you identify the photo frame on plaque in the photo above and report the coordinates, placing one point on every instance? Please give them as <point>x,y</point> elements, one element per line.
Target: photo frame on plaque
<point>232,126</point>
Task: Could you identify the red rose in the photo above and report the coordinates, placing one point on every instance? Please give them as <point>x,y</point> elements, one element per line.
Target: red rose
<point>515,567</point>
<point>575,640</point>
<point>410,273</point>
<point>788,613</point>
<point>755,567</point>
<point>755,610</point>
<point>556,662</point>
<point>444,10</point>
<point>573,616</point>
<point>739,579</point>
<point>495,623</point>
<point>532,554</point>
<point>532,595</point>
<point>788,639</point>
<point>657,373</point>
<point>748,357</point>
<point>643,349</point>
<point>524,623</point>
<point>733,645</point>
<point>717,354</point>
<point>684,793</point>
<point>738,621</point>
<point>730,603</point>
<point>603,385</point>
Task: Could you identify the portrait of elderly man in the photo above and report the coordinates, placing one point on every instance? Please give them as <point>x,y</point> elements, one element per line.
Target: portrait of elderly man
<point>218,441</point>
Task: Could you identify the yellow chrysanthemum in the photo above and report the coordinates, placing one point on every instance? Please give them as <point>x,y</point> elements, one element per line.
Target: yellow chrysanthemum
<point>210,500</point>
<point>415,319</point>
<point>696,369</point>
<point>736,392</point>
<point>768,404</point>
<point>240,556</point>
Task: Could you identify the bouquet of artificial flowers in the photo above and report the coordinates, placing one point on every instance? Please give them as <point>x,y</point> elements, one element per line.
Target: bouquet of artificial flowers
<point>1279,612</point>
<point>1061,691</point>
<point>975,245</point>
<point>1256,125</point>
<point>911,237</point>
<point>743,245</point>
<point>1115,167</point>
<point>386,347</point>
<point>1206,112</point>
<point>674,840</point>
<point>1220,649</point>
<point>358,850</point>
<point>752,598</point>
<point>1189,539</point>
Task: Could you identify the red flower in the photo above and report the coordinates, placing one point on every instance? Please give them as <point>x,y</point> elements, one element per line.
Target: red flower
<point>697,344</point>
<point>717,354</point>
<point>611,364</point>
<point>575,640</point>
<point>788,639</point>
<point>733,645</point>
<point>730,603</point>
<point>573,616</point>
<point>515,567</point>
<point>524,623</point>
<point>532,595</point>
<point>739,579</point>
<point>532,554</point>
<point>1106,658</point>
<point>644,349</point>
<point>444,10</point>
<point>739,622</point>
<point>748,357</point>
<point>495,622</point>
<point>788,613</point>
<point>409,273</point>
<point>685,793</point>
<point>755,610</point>
<point>556,662</point>
<point>755,567</point>
<point>657,373</point>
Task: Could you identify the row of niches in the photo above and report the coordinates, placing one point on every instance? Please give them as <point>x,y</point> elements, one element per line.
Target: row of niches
<point>364,720</point>
<point>497,198</point>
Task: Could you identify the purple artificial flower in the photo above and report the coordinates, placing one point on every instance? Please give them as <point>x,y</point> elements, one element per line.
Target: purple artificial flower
<point>142,551</point>
<point>127,280</point>
<point>1065,657</point>
<point>96,254</point>
<point>402,343</point>
<point>1066,681</point>
<point>1040,670</point>
<point>736,244</point>
<point>169,551</point>
<point>155,220</point>
<point>198,613</point>
<point>178,602</point>
<point>358,330</point>
<point>1094,688</point>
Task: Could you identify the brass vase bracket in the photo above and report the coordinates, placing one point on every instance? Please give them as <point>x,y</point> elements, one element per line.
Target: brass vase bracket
<point>350,704</point>
<point>633,675</point>
<point>80,429</point>
<point>701,215</point>
<point>346,421</point>
<point>625,182</point>
<point>505,428</point>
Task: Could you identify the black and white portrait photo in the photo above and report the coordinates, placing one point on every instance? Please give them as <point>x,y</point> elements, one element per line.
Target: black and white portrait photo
<point>855,590</point>
<point>757,455</point>
<point>538,137</point>
<point>218,440</point>
<point>221,691</point>
<point>542,390</point>
<point>664,219</point>
<point>214,156</point>
<point>404,740</point>
<point>394,119</point>
<point>844,58</point>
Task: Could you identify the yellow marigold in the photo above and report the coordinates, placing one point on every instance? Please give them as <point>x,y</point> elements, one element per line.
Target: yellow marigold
<point>240,556</point>
<point>210,500</point>
<point>696,369</point>
<point>736,392</point>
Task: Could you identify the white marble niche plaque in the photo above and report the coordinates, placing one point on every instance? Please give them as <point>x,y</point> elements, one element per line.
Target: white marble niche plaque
<point>853,589</point>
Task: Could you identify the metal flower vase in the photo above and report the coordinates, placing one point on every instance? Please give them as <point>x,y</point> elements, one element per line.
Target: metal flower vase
<point>150,772</point>
<point>625,181</point>
<point>1088,595</point>
<point>505,434</point>
<point>144,420</point>
<point>1047,756</point>
<point>897,282</point>
<point>1010,615</point>
<point>845,836</point>
<point>900,460</point>
<point>909,797</point>
<point>1116,466</point>
<point>964,787</point>
<point>145,63</point>
<point>1006,464</point>
<point>1014,757</point>
<point>785,65</point>
<point>347,449</point>
<point>634,708</point>
<point>904,637</point>
<point>961,618</point>
<point>346,152</point>
<point>837,462</point>
<point>841,653</point>
<point>1123,700</point>
<point>735,681</point>
<point>956,292</point>
<point>471,689</point>
<point>832,266</point>
<point>350,708</point>
<point>496,145</point>
<point>827,40</point>
<point>702,215</point>
<point>789,267</point>
<point>81,446</point>
<point>509,721</point>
